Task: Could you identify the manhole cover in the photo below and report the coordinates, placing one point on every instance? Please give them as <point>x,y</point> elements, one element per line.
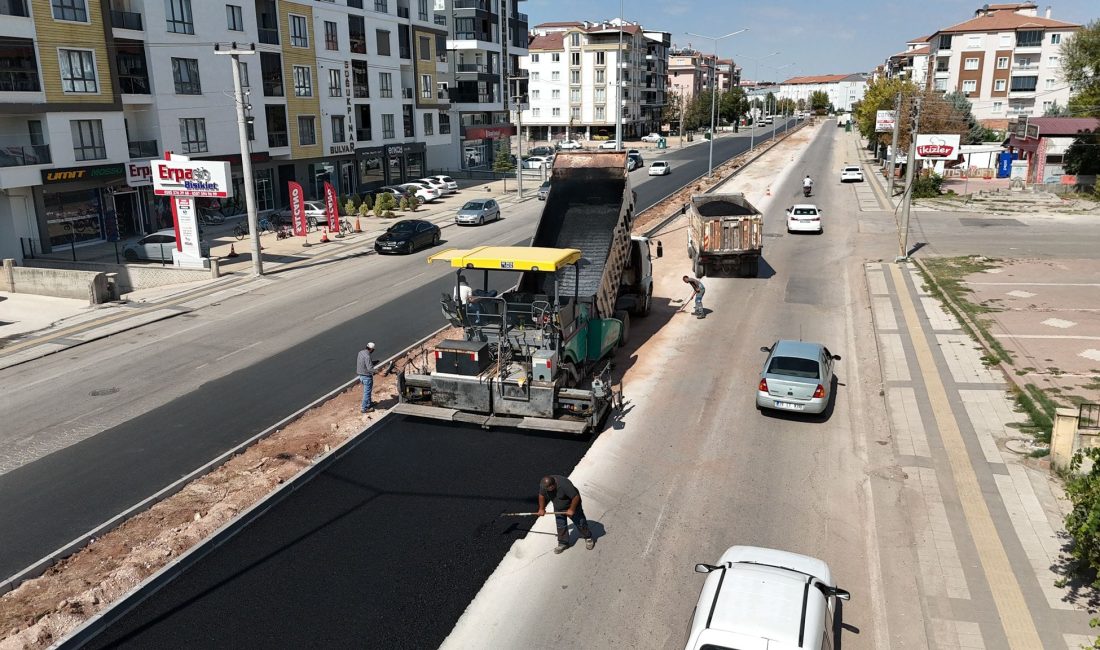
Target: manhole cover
<point>975,222</point>
<point>100,392</point>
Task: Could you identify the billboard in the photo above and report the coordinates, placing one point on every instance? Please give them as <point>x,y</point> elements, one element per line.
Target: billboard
<point>884,122</point>
<point>937,147</point>
<point>203,178</point>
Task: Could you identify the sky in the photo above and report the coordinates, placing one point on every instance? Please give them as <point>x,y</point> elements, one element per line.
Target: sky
<point>813,36</point>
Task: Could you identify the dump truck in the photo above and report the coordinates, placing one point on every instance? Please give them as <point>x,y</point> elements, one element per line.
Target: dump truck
<point>537,355</point>
<point>725,235</point>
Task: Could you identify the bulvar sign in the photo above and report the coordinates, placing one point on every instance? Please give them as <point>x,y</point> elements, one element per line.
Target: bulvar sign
<point>203,178</point>
<point>937,147</point>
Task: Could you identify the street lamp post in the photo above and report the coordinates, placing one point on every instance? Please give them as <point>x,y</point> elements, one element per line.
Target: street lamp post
<point>775,98</point>
<point>752,129</point>
<point>713,94</point>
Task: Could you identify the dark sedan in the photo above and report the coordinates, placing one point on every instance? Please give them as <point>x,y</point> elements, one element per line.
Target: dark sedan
<point>407,236</point>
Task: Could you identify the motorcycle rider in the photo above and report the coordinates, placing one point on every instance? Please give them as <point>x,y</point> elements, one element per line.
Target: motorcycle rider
<point>807,185</point>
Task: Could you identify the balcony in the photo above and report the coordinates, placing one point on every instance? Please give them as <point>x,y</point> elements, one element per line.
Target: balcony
<point>19,81</point>
<point>273,87</point>
<point>407,93</point>
<point>440,19</point>
<point>31,154</point>
<point>479,68</point>
<point>14,8</point>
<point>1025,67</point>
<point>133,84</point>
<point>362,134</point>
<point>360,92</point>
<point>143,149</point>
<point>126,20</point>
<point>278,139</point>
<point>520,17</point>
<point>268,35</point>
<point>483,5</point>
<point>358,44</point>
<point>471,98</point>
<point>402,12</point>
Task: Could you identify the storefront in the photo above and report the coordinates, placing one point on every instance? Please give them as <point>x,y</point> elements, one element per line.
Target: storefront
<point>78,205</point>
<point>480,144</point>
<point>405,162</point>
<point>371,170</point>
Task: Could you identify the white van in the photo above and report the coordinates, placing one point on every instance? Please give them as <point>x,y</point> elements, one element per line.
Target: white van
<point>761,597</point>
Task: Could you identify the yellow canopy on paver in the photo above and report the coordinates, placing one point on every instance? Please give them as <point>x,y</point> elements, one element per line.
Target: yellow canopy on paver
<point>509,258</point>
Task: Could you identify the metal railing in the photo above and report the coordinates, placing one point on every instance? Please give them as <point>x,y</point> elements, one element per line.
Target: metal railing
<point>31,154</point>
<point>1088,416</point>
<point>440,19</point>
<point>278,139</point>
<point>143,149</point>
<point>359,44</point>
<point>273,88</point>
<point>483,5</point>
<point>18,81</point>
<point>133,84</point>
<point>362,134</point>
<point>406,93</point>
<point>474,67</point>
<point>268,35</point>
<point>360,92</point>
<point>126,20</point>
<point>1025,66</point>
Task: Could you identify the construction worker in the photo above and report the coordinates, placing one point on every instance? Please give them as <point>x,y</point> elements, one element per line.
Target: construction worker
<point>567,503</point>
<point>364,368</point>
<point>697,291</point>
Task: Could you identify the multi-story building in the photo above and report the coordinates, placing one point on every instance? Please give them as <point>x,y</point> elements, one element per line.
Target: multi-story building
<point>729,75</point>
<point>486,40</point>
<point>94,89</point>
<point>572,83</point>
<point>1005,60</point>
<point>910,64</point>
<point>843,90</point>
<point>688,71</point>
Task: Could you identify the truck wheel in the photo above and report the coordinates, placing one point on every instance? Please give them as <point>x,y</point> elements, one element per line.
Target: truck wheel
<point>647,303</point>
<point>624,316</point>
<point>700,269</point>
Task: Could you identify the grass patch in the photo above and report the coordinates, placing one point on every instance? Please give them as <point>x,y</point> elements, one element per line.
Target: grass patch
<point>945,280</point>
<point>1048,405</point>
<point>1093,385</point>
<point>1039,424</point>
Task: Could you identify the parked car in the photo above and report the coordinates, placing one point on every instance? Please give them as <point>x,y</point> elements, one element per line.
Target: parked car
<point>435,184</point>
<point>804,217</point>
<point>851,173</point>
<point>608,144</point>
<point>423,192</point>
<point>634,161</point>
<point>449,182</point>
<point>652,137</point>
<point>660,168</point>
<point>570,144</point>
<point>396,191</point>
<point>757,597</point>
<point>478,212</point>
<point>537,162</point>
<point>157,247</point>
<point>797,376</point>
<point>541,151</point>
<point>315,214</point>
<point>544,190</point>
<point>407,236</point>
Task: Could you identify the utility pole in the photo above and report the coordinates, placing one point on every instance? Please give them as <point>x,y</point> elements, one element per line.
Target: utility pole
<point>517,100</point>
<point>907,195</point>
<point>681,117</point>
<point>619,84</point>
<point>239,98</point>
<point>894,149</point>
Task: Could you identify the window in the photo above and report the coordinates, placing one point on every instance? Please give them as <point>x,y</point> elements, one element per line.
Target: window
<point>88,139</point>
<point>193,134</point>
<point>534,76</point>
<point>178,15</point>
<point>383,41</point>
<point>536,94</point>
<point>974,41</point>
<point>1024,84</point>
<point>945,41</point>
<point>303,81</point>
<point>75,10</point>
<point>332,41</point>
<point>555,94</point>
<point>381,6</point>
<point>998,107</point>
<point>574,76</point>
<point>534,58</point>
<point>575,58</point>
<point>575,95</point>
<point>338,133</point>
<point>1049,84</point>
<point>422,10</point>
<point>429,125</point>
<point>444,124</point>
<point>185,72</point>
<point>999,85</point>
<point>601,58</point>
<point>385,84</point>
<point>425,48</point>
<point>299,31</point>
<point>600,95</point>
<point>1047,106</point>
<point>969,85</point>
<point>1006,40</point>
<point>233,18</point>
<point>1002,63</point>
<point>940,84</point>
<point>575,113</point>
<point>555,57</point>
<point>556,112</point>
<point>601,113</point>
<point>387,126</point>
<point>536,112</point>
<point>426,86</point>
<point>307,130</point>
<point>271,71</point>
<point>77,71</point>
<point>575,39</point>
<point>601,77</point>
<point>403,48</point>
<point>1054,61</point>
<point>334,87</point>
<point>970,64</point>
<point>1055,39</point>
<point>357,34</point>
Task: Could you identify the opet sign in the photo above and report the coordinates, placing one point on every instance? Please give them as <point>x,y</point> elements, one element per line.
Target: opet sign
<point>937,147</point>
<point>201,178</point>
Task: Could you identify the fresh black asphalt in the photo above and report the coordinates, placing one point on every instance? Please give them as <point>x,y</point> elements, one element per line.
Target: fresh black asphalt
<point>45,504</point>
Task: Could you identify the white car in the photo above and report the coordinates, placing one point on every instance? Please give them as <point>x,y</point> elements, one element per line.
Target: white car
<point>158,247</point>
<point>652,137</point>
<point>608,144</point>
<point>804,217</point>
<point>434,183</point>
<point>425,193</point>
<point>660,168</point>
<point>447,181</point>
<point>537,162</point>
<point>765,598</point>
<point>851,173</point>
<point>569,144</point>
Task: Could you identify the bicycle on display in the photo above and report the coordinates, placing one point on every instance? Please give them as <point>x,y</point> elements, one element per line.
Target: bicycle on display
<point>240,231</point>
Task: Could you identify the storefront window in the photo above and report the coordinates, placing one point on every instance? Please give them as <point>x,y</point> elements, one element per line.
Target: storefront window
<point>395,169</point>
<point>319,173</point>
<point>414,163</point>
<point>162,212</point>
<point>371,176</point>
<point>265,190</point>
<point>73,216</point>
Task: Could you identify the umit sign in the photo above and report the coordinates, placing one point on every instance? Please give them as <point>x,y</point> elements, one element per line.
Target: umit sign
<point>937,147</point>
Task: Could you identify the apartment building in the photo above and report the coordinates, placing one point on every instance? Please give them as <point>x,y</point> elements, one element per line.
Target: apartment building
<point>572,80</point>
<point>843,90</point>
<point>911,63</point>
<point>94,89</point>
<point>1005,60</point>
<point>486,40</point>
<point>688,72</point>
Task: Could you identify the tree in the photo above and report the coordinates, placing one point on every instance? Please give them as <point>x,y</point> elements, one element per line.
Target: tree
<point>801,104</point>
<point>671,112</point>
<point>961,111</point>
<point>819,102</point>
<point>1056,110</point>
<point>1081,69</point>
<point>880,96</point>
<point>733,105</point>
<point>502,163</point>
<point>1083,156</point>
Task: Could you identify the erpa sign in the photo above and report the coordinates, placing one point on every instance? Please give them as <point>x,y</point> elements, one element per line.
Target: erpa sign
<point>937,147</point>
<point>884,121</point>
<point>139,174</point>
<point>205,178</point>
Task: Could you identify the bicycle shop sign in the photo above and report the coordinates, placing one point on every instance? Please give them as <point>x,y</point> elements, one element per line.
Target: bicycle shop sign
<point>199,178</point>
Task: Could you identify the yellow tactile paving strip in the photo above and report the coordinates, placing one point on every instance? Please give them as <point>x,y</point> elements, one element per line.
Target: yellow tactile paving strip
<point>1015,618</point>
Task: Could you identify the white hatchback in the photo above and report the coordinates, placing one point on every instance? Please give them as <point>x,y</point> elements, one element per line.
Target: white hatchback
<point>851,173</point>
<point>660,168</point>
<point>449,182</point>
<point>804,217</point>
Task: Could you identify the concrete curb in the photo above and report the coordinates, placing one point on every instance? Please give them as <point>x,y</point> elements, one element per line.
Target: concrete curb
<point>40,567</point>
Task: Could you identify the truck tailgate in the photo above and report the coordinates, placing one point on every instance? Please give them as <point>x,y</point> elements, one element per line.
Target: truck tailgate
<point>732,234</point>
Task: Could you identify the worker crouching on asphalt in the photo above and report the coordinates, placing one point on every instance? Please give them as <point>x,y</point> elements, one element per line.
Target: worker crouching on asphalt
<point>567,503</point>
<point>697,291</point>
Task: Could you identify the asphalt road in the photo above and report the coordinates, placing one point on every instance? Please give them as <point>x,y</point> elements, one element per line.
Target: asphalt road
<point>101,427</point>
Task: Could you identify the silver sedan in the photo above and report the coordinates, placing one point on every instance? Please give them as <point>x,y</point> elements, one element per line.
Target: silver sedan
<point>478,212</point>
<point>797,377</point>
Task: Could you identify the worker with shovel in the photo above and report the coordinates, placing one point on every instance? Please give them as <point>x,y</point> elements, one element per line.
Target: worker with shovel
<point>567,503</point>
<point>697,291</point>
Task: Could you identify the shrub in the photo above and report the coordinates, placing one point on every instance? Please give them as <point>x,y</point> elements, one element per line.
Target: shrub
<point>349,207</point>
<point>389,214</point>
<point>1083,521</point>
<point>368,201</point>
<point>927,187</point>
<point>414,202</point>
<point>364,209</point>
<point>404,205</point>
<point>383,203</point>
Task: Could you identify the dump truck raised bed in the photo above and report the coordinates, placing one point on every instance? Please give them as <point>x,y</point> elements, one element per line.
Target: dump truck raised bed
<point>725,235</point>
<point>536,356</point>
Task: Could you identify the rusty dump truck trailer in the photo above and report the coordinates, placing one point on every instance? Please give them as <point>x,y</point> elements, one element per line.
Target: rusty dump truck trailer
<point>725,235</point>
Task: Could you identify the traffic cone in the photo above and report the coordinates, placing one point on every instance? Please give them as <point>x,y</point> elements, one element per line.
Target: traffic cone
<point>324,235</point>
<point>358,228</point>
<point>305,242</point>
<point>769,192</point>
<point>232,251</point>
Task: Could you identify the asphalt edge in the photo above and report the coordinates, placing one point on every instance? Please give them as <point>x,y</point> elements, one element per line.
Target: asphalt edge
<point>42,565</point>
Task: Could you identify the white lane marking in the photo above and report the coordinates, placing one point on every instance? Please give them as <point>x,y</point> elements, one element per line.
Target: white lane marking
<point>1047,336</point>
<point>335,309</point>
<point>657,526</point>
<point>407,280</point>
<point>229,354</point>
<point>1037,284</point>
<point>1021,294</point>
<point>1060,323</point>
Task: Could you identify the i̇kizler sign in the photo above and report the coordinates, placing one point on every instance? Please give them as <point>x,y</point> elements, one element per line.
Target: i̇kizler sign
<point>937,147</point>
<point>205,178</point>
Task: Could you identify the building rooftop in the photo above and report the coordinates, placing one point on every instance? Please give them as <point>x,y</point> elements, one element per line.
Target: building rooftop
<point>1003,20</point>
<point>1055,126</point>
<point>824,79</point>
<point>543,42</point>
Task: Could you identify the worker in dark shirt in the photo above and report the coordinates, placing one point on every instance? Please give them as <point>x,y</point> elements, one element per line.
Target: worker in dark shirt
<point>567,503</point>
<point>697,291</point>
